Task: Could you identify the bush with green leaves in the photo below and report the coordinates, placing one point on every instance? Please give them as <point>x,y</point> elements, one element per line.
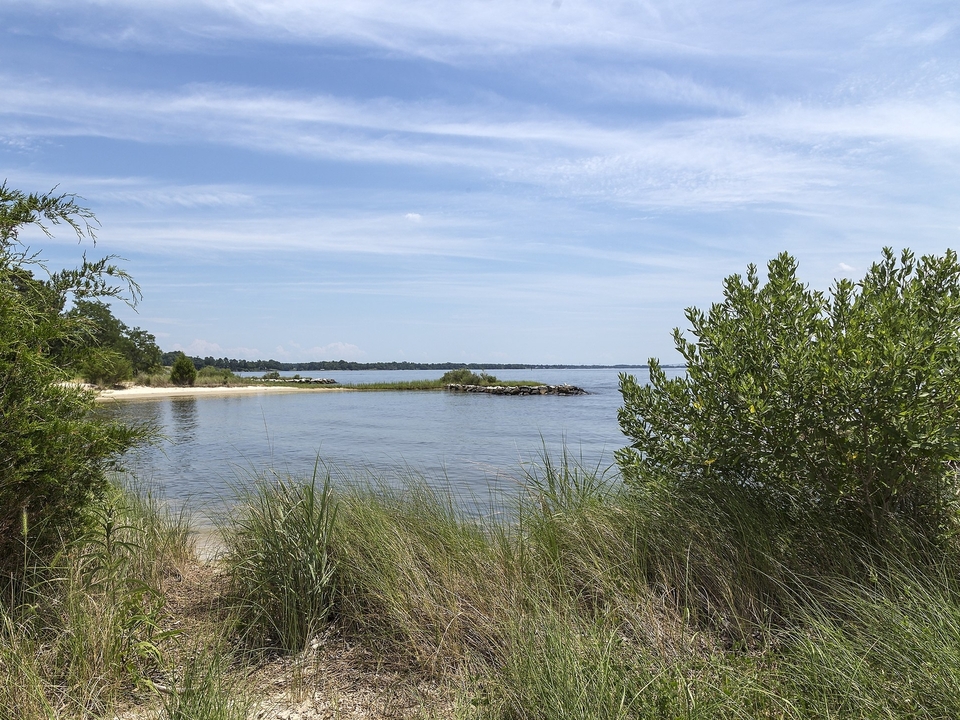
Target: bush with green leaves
<point>106,332</point>
<point>465,376</point>
<point>183,371</point>
<point>54,453</point>
<point>105,367</point>
<point>843,404</point>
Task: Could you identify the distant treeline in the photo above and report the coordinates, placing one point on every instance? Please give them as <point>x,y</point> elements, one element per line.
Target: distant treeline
<point>257,365</point>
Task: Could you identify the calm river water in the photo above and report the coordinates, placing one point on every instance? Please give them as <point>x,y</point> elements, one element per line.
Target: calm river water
<point>473,444</point>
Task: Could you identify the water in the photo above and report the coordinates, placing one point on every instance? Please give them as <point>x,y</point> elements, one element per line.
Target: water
<point>472,443</point>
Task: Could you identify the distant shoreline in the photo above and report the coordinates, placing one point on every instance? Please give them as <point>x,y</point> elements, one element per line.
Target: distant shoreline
<point>326,365</point>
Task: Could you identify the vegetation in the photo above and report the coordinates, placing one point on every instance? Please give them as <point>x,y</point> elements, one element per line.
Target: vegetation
<point>260,365</point>
<point>278,539</point>
<point>84,630</point>
<point>460,376</point>
<point>111,352</point>
<point>746,561</point>
<point>183,372</point>
<point>837,409</point>
<point>54,455</point>
<point>463,376</point>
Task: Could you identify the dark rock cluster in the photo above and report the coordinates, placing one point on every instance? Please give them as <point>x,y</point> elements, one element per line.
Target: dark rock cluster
<point>305,381</point>
<point>519,389</point>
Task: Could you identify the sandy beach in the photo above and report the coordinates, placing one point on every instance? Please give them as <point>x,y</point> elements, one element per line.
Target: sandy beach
<point>140,392</point>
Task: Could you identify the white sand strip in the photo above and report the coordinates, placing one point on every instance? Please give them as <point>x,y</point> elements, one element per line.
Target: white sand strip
<point>139,392</point>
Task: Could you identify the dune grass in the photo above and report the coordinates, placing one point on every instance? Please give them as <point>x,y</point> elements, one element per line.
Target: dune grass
<point>579,600</point>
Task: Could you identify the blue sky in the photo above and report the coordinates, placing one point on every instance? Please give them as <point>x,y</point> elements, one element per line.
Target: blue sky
<point>490,181</point>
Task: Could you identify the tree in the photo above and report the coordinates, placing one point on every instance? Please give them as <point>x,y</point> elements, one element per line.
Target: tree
<point>108,337</point>
<point>183,371</point>
<point>54,453</point>
<point>846,403</point>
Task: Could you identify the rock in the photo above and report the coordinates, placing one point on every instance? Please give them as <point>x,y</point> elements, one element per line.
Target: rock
<point>518,389</point>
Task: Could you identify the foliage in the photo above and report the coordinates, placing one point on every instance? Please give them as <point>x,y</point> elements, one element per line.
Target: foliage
<point>85,628</point>
<point>463,376</point>
<point>844,404</point>
<point>53,452</point>
<point>214,375</point>
<point>183,372</point>
<point>106,333</point>
<point>105,367</point>
<point>203,690</point>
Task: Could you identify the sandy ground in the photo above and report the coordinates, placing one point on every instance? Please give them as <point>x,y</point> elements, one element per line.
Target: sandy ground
<point>139,392</point>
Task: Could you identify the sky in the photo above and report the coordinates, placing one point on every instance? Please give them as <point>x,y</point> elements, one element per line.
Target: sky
<point>550,181</point>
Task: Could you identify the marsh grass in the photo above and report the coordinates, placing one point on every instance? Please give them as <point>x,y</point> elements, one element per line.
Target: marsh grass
<point>204,688</point>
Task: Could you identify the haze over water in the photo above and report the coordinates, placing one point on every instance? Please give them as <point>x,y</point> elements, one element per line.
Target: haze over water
<point>471,443</point>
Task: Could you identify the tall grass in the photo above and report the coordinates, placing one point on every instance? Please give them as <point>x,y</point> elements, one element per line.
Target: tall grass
<point>588,601</point>
<point>202,688</point>
<point>581,601</point>
<point>278,560</point>
<point>79,631</point>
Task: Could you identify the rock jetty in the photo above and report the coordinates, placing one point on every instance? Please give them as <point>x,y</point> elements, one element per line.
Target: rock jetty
<point>518,389</point>
<point>305,381</point>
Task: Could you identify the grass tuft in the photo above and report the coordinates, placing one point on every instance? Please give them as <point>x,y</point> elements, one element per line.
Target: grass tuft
<point>278,560</point>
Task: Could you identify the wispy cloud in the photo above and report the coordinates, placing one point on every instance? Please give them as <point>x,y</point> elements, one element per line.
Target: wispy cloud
<point>784,152</point>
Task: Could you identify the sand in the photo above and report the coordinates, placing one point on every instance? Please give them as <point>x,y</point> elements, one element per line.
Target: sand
<point>139,392</point>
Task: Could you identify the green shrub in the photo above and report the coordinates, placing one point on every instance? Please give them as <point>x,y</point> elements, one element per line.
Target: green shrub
<point>105,367</point>
<point>844,405</point>
<point>464,376</point>
<point>183,371</point>
<point>54,452</point>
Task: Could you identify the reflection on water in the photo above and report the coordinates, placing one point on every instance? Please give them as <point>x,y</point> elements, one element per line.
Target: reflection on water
<point>183,419</point>
<point>467,443</point>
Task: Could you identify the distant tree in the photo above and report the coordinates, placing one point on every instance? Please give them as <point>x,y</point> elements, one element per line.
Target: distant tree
<point>105,367</point>
<point>183,371</point>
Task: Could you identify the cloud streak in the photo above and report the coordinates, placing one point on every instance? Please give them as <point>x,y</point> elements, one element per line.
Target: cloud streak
<point>781,153</point>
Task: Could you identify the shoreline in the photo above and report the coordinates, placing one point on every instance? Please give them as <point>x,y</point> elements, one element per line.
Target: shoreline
<point>143,392</point>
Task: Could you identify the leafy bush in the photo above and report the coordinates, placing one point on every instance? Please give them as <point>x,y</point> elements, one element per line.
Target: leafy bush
<point>54,453</point>
<point>183,371</point>
<point>105,367</point>
<point>844,404</point>
<point>464,376</point>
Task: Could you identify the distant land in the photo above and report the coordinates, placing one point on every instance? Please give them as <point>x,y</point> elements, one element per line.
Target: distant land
<point>254,365</point>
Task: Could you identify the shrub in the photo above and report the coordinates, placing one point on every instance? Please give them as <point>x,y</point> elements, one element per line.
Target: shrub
<point>183,371</point>
<point>105,367</point>
<point>843,404</point>
<point>54,453</point>
<point>464,376</point>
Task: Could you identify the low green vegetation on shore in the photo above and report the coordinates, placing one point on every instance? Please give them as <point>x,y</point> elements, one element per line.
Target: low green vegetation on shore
<point>460,376</point>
